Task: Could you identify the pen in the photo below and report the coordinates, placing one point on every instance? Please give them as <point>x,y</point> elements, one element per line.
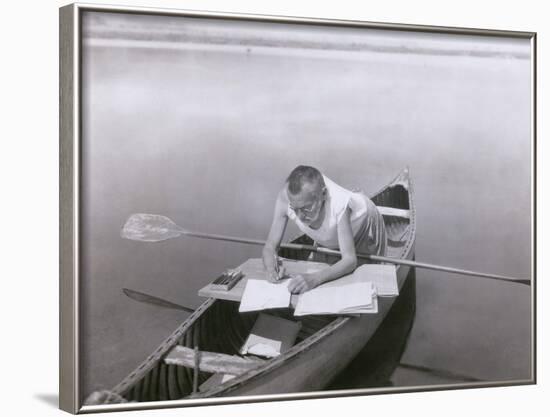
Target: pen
<point>276,258</point>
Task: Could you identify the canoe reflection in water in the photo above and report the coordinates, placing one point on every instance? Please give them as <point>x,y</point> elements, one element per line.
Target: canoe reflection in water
<point>376,363</point>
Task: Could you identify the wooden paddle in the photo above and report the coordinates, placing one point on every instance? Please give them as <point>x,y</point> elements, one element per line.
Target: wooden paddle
<point>156,228</point>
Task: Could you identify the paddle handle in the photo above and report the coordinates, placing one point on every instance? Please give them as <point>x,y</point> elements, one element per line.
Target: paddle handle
<point>222,237</point>
<point>424,265</point>
<point>377,258</point>
<point>406,262</point>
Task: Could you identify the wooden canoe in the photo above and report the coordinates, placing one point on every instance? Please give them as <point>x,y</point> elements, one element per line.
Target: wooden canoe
<point>324,347</point>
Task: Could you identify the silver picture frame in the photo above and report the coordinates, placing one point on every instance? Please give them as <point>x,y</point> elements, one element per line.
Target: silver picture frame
<point>71,397</point>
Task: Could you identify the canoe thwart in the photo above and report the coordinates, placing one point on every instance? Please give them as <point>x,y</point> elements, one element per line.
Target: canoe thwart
<point>211,362</point>
<point>391,211</point>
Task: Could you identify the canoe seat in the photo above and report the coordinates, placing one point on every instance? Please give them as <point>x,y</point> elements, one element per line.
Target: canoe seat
<point>211,362</point>
<point>391,211</point>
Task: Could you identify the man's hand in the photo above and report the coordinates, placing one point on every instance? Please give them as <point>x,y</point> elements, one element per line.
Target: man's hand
<point>275,276</point>
<point>272,276</point>
<point>302,283</point>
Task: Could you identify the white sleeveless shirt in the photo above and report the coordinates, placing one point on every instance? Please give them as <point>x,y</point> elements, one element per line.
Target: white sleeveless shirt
<point>338,199</point>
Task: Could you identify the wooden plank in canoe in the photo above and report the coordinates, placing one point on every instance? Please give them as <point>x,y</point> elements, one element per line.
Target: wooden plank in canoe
<point>211,361</point>
<point>254,269</point>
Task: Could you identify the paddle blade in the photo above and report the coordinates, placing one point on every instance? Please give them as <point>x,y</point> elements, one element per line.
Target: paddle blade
<point>149,228</point>
<point>151,299</point>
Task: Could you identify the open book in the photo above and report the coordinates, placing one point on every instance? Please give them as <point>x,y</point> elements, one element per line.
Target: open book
<point>262,295</point>
<point>356,293</point>
<point>348,298</point>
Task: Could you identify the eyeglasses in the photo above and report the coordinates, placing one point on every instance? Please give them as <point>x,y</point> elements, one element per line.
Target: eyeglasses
<point>312,207</point>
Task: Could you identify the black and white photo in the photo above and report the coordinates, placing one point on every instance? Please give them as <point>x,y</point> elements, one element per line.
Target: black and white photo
<point>294,208</point>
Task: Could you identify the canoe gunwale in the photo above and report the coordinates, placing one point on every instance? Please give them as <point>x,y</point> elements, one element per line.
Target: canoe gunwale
<point>405,180</point>
<point>151,361</point>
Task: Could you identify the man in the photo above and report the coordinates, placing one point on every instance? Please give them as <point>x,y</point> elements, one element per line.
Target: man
<point>332,216</point>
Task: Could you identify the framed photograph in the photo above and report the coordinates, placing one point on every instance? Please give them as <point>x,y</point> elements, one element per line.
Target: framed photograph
<point>257,208</point>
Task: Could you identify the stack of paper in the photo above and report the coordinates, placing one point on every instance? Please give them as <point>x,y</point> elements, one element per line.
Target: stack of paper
<point>349,298</point>
<point>352,294</point>
<point>384,278</point>
<point>261,295</point>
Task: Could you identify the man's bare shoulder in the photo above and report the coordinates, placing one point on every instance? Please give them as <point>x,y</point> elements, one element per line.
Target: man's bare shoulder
<point>282,201</point>
<point>282,196</point>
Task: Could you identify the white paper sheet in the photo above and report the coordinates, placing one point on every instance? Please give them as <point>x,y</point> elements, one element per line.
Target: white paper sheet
<point>261,295</point>
<point>261,346</point>
<point>384,278</point>
<point>372,309</point>
<point>351,298</point>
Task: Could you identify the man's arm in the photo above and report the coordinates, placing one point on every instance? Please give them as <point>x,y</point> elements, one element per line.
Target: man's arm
<point>275,236</point>
<point>345,265</point>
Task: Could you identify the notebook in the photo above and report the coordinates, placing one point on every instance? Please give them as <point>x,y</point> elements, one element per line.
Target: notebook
<point>356,293</point>
<point>261,295</point>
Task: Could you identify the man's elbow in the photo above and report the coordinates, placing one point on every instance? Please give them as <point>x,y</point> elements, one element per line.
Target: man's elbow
<point>351,263</point>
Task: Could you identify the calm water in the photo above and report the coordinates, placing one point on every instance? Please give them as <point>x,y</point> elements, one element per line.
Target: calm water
<point>206,137</point>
